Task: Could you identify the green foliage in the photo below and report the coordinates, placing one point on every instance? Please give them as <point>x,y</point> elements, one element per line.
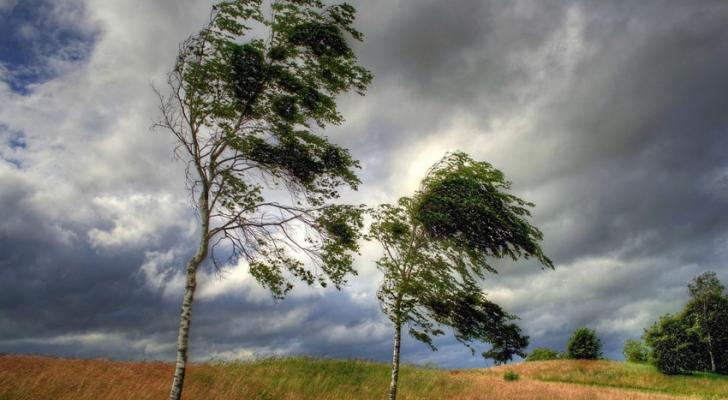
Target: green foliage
<point>705,285</point>
<point>247,111</point>
<point>584,345</point>
<point>696,338</point>
<point>435,255</point>
<point>708,318</point>
<point>542,354</point>
<point>473,318</point>
<point>465,205</point>
<point>635,351</point>
<point>510,376</point>
<point>707,314</point>
<point>675,347</point>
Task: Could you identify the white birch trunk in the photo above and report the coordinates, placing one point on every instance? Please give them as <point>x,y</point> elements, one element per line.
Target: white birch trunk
<point>395,361</point>
<point>186,313</point>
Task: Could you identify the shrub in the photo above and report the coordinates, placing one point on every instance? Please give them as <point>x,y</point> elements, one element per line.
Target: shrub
<point>542,354</point>
<point>584,345</point>
<point>510,376</point>
<point>635,351</point>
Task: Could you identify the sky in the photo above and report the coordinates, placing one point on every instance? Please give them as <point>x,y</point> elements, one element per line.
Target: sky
<point>611,116</point>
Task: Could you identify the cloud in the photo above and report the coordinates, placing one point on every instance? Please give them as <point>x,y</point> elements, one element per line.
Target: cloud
<point>138,219</point>
<point>7,5</point>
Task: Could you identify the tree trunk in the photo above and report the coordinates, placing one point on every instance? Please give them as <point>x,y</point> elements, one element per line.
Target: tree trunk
<point>395,360</point>
<point>706,328</point>
<point>186,313</point>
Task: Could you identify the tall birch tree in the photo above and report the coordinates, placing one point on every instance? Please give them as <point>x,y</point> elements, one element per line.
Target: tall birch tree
<point>247,100</point>
<point>437,249</point>
<point>707,312</point>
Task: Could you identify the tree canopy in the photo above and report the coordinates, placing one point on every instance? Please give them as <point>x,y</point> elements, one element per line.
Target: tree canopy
<point>247,117</point>
<point>635,351</point>
<point>542,354</point>
<point>584,345</point>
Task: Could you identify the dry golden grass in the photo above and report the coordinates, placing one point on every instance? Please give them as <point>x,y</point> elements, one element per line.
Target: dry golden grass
<point>30,377</point>
<point>492,386</point>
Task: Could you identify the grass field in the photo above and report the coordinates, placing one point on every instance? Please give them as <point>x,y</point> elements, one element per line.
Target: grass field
<point>628,376</point>
<point>29,377</point>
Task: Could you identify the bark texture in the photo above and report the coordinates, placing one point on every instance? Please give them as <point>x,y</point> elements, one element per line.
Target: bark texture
<point>185,318</point>
<point>395,361</point>
<point>710,341</point>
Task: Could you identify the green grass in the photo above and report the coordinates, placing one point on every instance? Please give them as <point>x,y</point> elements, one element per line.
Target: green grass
<point>308,378</point>
<point>642,377</point>
<point>30,378</point>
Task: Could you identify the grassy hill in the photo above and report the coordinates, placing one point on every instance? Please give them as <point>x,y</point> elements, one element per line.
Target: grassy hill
<point>30,377</point>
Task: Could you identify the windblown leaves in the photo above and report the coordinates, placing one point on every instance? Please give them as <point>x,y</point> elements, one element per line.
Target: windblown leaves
<point>248,109</point>
<point>463,203</point>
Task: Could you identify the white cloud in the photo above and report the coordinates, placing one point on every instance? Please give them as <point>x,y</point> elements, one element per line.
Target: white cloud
<point>138,219</point>
<point>248,353</point>
<point>361,333</point>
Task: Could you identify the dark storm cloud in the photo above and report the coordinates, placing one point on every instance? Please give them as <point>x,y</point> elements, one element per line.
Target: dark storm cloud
<point>69,299</point>
<point>641,135</point>
<point>441,59</point>
<point>611,116</point>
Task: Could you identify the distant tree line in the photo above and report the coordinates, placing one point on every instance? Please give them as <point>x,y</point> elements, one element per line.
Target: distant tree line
<point>692,340</point>
<point>582,345</point>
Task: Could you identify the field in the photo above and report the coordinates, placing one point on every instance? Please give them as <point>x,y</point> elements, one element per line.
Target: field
<point>30,377</point>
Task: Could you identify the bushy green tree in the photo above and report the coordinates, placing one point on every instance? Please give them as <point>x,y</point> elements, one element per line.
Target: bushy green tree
<point>696,338</point>
<point>676,348</point>
<point>246,107</point>
<point>635,351</point>
<point>584,345</point>
<point>542,354</point>
<point>707,313</point>
<point>437,248</point>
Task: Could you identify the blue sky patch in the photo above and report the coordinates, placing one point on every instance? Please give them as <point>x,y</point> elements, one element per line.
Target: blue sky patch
<point>39,38</point>
<point>12,142</point>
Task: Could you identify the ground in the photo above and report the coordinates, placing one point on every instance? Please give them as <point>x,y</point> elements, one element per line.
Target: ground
<point>34,377</point>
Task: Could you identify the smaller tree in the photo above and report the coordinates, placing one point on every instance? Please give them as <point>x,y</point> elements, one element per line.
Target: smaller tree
<point>584,345</point>
<point>635,351</point>
<point>542,354</point>
<point>437,245</point>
